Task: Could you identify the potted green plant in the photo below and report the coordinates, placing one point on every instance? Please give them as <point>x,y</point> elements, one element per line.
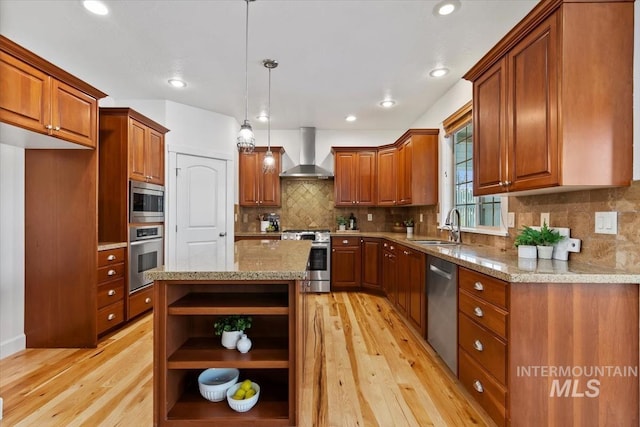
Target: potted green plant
<point>342,223</point>
<point>547,238</point>
<point>526,242</point>
<point>408,223</point>
<point>230,328</point>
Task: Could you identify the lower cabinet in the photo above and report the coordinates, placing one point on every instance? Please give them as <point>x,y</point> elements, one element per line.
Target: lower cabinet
<point>140,301</point>
<point>111,289</point>
<point>411,287</point>
<point>390,271</point>
<point>371,263</point>
<point>345,263</point>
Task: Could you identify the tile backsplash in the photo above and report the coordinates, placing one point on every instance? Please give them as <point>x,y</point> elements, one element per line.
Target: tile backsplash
<point>309,204</point>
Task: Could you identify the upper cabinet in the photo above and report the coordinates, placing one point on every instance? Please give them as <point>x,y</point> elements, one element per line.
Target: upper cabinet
<point>258,188</point>
<point>546,112</point>
<point>387,176</point>
<point>355,176</point>
<point>38,96</point>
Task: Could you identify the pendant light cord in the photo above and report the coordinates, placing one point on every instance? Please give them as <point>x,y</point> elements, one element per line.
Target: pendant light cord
<point>246,66</point>
<point>269,114</point>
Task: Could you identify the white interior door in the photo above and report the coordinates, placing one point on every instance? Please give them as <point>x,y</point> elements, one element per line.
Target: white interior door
<point>201,186</point>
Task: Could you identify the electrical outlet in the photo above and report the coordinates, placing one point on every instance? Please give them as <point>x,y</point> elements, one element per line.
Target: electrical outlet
<point>421,218</point>
<point>511,219</point>
<point>544,219</point>
<point>369,217</point>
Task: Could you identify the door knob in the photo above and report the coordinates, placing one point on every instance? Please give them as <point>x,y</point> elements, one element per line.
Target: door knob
<point>224,233</point>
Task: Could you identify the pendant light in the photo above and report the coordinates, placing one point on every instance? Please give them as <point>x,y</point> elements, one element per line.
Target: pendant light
<point>246,141</point>
<point>269,163</point>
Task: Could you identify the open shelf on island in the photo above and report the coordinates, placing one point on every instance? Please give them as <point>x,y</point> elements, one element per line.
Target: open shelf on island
<point>227,304</point>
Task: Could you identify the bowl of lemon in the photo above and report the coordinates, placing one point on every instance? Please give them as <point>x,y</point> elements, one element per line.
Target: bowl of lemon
<point>243,396</point>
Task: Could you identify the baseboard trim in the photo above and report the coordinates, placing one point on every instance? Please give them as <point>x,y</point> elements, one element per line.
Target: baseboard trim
<point>13,345</point>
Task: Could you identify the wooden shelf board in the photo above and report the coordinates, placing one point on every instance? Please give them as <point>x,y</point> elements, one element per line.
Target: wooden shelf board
<point>225,304</point>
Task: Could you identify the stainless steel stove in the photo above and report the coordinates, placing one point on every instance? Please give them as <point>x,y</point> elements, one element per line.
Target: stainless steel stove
<point>319,259</point>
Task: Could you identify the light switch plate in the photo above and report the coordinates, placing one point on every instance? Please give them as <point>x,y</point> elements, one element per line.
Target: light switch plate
<point>544,218</point>
<point>369,217</point>
<point>606,223</point>
<point>511,219</point>
<point>421,217</point>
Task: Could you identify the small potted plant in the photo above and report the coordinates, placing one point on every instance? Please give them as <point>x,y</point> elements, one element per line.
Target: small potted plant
<point>230,328</point>
<point>342,223</point>
<point>526,242</point>
<point>408,223</point>
<point>548,238</point>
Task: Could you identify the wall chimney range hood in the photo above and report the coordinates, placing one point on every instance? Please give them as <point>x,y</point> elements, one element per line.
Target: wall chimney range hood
<point>307,167</point>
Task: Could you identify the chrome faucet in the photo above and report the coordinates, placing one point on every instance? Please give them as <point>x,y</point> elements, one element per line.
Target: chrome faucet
<point>454,235</point>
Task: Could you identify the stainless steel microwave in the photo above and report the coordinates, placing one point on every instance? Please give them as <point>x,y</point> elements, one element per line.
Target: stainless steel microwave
<point>146,202</point>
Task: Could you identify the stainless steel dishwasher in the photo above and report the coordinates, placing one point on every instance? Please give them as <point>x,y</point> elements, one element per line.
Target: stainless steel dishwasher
<point>442,309</point>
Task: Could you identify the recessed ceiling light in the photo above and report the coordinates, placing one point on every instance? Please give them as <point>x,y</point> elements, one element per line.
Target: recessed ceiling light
<point>263,117</point>
<point>446,7</point>
<point>439,72</point>
<point>350,118</point>
<point>387,103</point>
<point>95,6</point>
<point>177,83</point>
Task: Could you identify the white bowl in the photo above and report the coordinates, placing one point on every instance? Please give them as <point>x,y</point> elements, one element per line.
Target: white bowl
<point>245,404</point>
<point>214,382</point>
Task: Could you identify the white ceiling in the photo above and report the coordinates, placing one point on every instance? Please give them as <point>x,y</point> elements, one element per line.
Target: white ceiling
<point>337,57</point>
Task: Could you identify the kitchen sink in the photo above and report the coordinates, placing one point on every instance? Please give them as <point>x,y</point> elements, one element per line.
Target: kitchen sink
<point>433,242</point>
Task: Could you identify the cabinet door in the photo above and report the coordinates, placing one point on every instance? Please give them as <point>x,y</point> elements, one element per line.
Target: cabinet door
<point>416,289</point>
<point>73,114</point>
<point>366,178</point>
<point>387,177</point>
<point>154,164</point>
<point>345,265</point>
<point>532,132</point>
<point>489,138</point>
<point>371,263</point>
<point>25,95</point>
<point>345,178</point>
<point>137,150</point>
<point>405,159</point>
<point>270,182</point>
<point>249,180</point>
<point>402,284</point>
<point>389,275</point>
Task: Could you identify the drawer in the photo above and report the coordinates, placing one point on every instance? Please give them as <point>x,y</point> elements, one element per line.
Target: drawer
<point>482,286</point>
<point>487,315</point>
<point>345,241</point>
<point>487,392</point>
<point>110,256</point>
<point>110,272</point>
<point>488,350</point>
<point>140,302</point>
<point>110,316</point>
<point>110,292</point>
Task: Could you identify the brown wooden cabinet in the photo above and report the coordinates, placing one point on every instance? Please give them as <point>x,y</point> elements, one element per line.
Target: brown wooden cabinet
<point>146,153</point>
<point>355,176</point>
<point>184,346</point>
<point>111,289</point>
<point>38,96</point>
<point>140,302</point>
<point>417,182</point>
<point>346,261</point>
<point>411,287</point>
<point>387,176</point>
<point>543,115</point>
<point>390,270</point>
<point>371,263</point>
<point>258,188</point>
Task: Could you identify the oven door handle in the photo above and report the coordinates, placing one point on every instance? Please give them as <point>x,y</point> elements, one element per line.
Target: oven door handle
<point>142,242</point>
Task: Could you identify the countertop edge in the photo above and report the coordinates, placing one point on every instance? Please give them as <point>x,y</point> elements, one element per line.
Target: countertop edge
<point>105,246</point>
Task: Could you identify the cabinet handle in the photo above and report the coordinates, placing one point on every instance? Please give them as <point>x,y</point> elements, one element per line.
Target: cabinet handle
<point>478,312</point>
<point>111,316</point>
<point>56,128</point>
<point>111,273</point>
<point>384,244</point>
<point>111,257</point>
<point>478,386</point>
<point>257,201</point>
<point>391,247</point>
<point>111,292</point>
<point>147,300</point>
<point>405,252</point>
<point>478,286</point>
<point>49,127</point>
<point>345,242</point>
<point>478,345</point>
<point>507,183</point>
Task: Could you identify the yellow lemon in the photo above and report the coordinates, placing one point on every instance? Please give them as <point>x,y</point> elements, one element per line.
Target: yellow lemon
<point>246,385</point>
<point>239,395</point>
<point>251,392</point>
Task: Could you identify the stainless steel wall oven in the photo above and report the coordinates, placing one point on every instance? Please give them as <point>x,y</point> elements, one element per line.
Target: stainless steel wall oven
<point>147,249</point>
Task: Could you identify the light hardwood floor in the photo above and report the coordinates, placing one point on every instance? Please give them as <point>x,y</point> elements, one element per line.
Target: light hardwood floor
<point>364,367</point>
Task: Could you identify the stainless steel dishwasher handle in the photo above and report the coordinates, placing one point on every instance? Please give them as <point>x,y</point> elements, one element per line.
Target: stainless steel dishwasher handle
<point>439,272</point>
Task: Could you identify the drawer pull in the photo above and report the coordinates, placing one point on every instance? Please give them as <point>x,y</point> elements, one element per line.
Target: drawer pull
<point>111,316</point>
<point>111,292</point>
<point>478,386</point>
<point>345,242</point>
<point>111,273</point>
<point>391,247</point>
<point>478,286</point>
<point>478,345</point>
<point>111,257</point>
<point>478,312</point>
<point>147,300</point>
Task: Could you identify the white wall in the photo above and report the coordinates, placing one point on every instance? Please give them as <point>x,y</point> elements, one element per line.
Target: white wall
<point>636,88</point>
<point>12,338</point>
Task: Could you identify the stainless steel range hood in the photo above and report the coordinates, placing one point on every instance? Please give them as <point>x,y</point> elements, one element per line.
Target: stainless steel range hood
<point>307,167</point>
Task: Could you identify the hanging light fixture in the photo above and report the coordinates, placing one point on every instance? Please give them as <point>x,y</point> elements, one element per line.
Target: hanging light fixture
<point>246,141</point>
<point>269,164</point>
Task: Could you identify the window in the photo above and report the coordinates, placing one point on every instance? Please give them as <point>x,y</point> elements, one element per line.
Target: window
<point>484,214</point>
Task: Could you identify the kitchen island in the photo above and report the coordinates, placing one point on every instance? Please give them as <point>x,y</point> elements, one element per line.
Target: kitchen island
<point>264,281</point>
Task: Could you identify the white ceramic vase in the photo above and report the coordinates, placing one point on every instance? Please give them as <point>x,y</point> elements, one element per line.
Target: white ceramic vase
<point>230,339</point>
<point>244,344</point>
<point>527,251</point>
<point>342,227</point>
<point>545,252</point>
<point>409,231</point>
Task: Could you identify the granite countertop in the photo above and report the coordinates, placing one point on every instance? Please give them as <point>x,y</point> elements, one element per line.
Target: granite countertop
<point>105,246</point>
<point>252,260</point>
